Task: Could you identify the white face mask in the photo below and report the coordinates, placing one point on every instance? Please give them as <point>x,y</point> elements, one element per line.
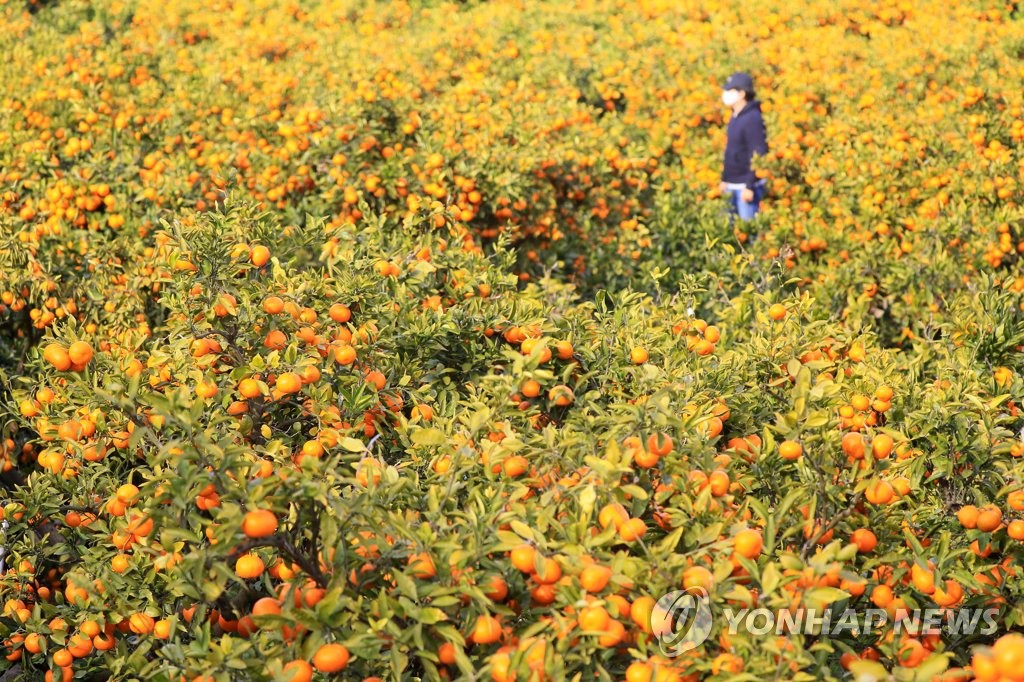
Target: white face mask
<point>730,97</point>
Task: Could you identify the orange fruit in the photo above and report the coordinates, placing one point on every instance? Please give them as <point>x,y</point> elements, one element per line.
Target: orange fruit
<point>855,587</point>
<point>249,388</point>
<point>984,668</point>
<point>501,663</point>
<point>273,305</point>
<point>312,448</point>
<point>1008,652</point>
<point>344,354</point>
<point>911,653</point>
<point>1015,529</point>
<point>515,466</point>
<point>881,446</point>
<point>593,619</point>
<point>748,543</point>
<point>57,356</point>
<point>777,312</point>
<point>487,630</point>
<point>127,493</point>
<point>62,658</point>
<point>853,445</point>
<point>266,606</point>
<point>860,402</point>
<point>530,388</point>
<point>80,353</point>
<point>104,641</point>
<point>612,514</point>
<point>259,255</point>
<point>703,348</point>
<point>989,518</point>
<point>645,459</point>
<point>632,529</point>
<point>331,658</point>
<point>638,356</point>
<point>140,525</point>
<point>376,379</point>
<point>968,516</point>
<point>640,672</point>
<point>923,578</point>
<point>613,635</point>
<point>882,596</point>
<point>340,313</point>
<point>524,558</point>
<point>543,595</point>
<point>640,612</point>
<point>948,594</point>
<point>561,395</point>
<point>497,588</point>
<point>660,444</point>
<point>141,623</point>
<point>790,450</point>
<point>249,566</point>
<point>259,523</point>
<point>446,653</point>
<point>595,578</point>
<point>423,411</point>
<point>719,482</point>
<point>864,539</point>
<point>549,573</point>
<point>275,340</point>
<point>289,382</point>
<point>879,492</point>
<point>162,629</point>
<point>297,671</point>
<point>67,674</point>
<point>698,576</point>
<point>422,565</point>
<point>33,643</point>
<point>205,389</point>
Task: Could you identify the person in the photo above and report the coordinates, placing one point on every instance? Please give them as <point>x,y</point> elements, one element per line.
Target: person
<point>745,137</point>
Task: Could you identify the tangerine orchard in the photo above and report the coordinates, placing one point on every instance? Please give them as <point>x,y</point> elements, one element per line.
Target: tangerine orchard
<point>409,340</point>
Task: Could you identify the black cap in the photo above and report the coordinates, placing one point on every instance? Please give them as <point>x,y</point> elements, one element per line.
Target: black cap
<point>739,81</point>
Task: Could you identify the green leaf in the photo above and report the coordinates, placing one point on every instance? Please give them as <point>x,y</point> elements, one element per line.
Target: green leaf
<point>635,491</point>
<point>588,497</point>
<point>212,590</point>
<point>427,437</point>
<point>352,444</point>
<point>521,529</point>
<point>825,595</point>
<point>816,420</point>
<point>929,669</point>
<point>770,578</point>
<point>431,615</point>
<point>868,671</point>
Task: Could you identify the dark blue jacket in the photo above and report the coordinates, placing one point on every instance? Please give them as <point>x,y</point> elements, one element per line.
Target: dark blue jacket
<point>745,137</point>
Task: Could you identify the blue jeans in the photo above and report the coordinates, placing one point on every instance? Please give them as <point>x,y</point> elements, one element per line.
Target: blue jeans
<point>746,210</point>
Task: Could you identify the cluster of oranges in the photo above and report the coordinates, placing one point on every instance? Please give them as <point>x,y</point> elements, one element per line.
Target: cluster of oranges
<point>285,400</point>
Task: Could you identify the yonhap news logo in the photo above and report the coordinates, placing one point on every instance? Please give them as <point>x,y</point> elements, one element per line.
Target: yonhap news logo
<point>682,620</point>
<point>853,622</point>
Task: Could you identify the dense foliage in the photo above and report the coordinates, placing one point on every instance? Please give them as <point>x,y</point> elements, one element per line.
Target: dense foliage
<point>411,341</point>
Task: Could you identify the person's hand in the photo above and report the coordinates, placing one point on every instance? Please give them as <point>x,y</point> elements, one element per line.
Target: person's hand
<point>722,187</point>
<point>747,195</point>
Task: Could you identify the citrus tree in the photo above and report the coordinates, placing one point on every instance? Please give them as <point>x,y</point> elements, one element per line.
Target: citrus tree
<point>335,344</point>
